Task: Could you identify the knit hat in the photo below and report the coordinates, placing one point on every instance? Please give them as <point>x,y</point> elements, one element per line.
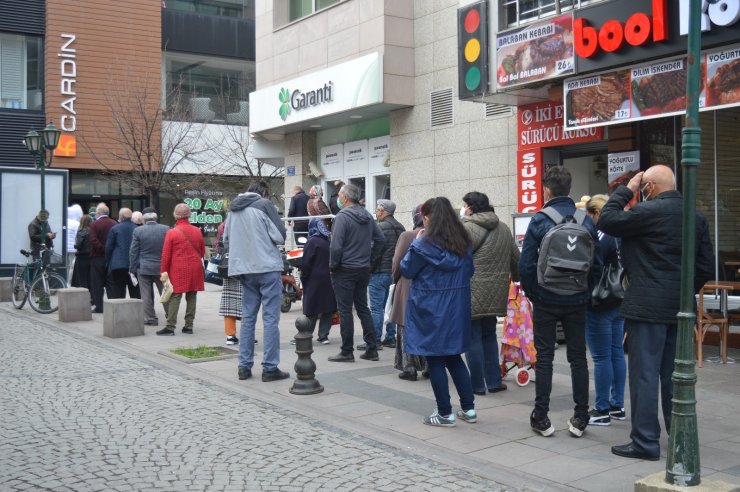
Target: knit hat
<point>387,205</point>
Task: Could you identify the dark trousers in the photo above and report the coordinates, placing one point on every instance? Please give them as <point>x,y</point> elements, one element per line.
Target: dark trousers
<point>460,377</point>
<point>324,320</point>
<point>652,350</point>
<point>350,287</point>
<point>573,318</point>
<point>99,281</point>
<point>120,281</point>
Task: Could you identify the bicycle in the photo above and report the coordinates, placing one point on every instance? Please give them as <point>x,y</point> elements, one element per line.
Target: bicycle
<point>34,282</point>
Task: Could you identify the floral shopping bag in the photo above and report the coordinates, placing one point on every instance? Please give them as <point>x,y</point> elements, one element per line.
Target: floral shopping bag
<point>517,345</point>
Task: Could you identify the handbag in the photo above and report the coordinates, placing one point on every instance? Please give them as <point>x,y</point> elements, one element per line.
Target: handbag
<point>223,266</point>
<point>335,318</point>
<point>167,291</point>
<point>213,262</point>
<point>609,291</point>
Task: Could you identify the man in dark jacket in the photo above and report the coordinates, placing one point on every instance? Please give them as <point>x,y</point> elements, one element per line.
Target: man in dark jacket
<point>98,234</point>
<point>117,247</point>
<point>651,234</point>
<point>39,232</point>
<point>144,260</point>
<point>380,278</point>
<point>333,199</point>
<point>299,208</point>
<point>356,243</point>
<point>549,308</point>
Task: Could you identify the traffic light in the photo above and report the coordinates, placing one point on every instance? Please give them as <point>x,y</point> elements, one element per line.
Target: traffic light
<point>472,50</point>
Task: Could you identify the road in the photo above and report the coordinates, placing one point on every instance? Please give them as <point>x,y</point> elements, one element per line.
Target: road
<point>81,415</point>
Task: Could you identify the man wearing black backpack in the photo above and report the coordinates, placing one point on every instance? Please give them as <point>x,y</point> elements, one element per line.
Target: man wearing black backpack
<point>558,267</point>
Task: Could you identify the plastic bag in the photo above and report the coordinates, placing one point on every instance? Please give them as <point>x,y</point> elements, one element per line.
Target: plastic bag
<point>167,291</point>
<point>389,304</point>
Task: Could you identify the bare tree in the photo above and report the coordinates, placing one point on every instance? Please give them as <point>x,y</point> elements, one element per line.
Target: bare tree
<point>145,142</point>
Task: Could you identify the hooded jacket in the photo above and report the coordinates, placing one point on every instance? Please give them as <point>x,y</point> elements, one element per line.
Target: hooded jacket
<point>496,258</point>
<point>356,240</point>
<point>252,235</point>
<point>438,308</point>
<point>392,230</point>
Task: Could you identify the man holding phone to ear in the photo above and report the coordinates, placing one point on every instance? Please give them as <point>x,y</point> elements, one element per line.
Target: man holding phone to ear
<point>651,233</point>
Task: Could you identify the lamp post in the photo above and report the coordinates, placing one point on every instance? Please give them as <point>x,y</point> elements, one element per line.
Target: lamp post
<point>682,464</point>
<point>38,144</point>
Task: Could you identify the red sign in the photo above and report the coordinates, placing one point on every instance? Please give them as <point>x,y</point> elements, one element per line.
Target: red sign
<point>612,34</point>
<point>540,126</point>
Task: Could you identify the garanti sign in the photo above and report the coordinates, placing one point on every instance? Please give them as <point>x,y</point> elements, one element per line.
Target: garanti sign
<point>620,33</point>
<point>350,85</point>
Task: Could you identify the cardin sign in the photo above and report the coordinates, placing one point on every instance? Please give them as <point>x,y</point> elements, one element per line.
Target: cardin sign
<point>620,33</point>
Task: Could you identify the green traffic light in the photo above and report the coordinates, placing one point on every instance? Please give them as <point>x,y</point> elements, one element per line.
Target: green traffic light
<point>472,78</point>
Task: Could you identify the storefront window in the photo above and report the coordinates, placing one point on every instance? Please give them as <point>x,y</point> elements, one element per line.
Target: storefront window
<point>21,69</point>
<point>302,8</point>
<point>207,88</point>
<point>225,8</point>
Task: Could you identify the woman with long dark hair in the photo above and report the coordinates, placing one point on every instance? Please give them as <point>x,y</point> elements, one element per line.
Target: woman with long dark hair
<point>440,263</point>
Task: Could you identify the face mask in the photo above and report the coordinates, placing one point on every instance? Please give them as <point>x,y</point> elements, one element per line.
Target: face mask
<point>339,204</point>
<point>643,195</point>
<point>462,212</point>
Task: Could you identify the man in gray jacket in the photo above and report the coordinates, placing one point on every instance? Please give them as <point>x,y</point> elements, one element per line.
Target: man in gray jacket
<point>356,243</point>
<point>144,261</point>
<point>252,236</point>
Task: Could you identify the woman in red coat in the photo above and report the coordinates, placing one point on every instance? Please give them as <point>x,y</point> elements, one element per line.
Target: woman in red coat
<point>182,265</point>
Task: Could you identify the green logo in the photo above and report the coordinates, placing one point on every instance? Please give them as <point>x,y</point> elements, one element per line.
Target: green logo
<point>285,103</point>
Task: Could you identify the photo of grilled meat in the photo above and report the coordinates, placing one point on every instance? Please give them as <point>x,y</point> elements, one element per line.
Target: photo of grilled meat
<point>724,86</point>
<point>600,101</point>
<point>659,91</point>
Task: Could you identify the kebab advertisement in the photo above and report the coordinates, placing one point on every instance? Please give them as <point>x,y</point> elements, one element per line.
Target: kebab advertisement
<point>723,75</point>
<point>539,52</point>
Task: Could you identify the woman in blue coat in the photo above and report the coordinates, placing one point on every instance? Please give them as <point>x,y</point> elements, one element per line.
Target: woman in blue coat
<point>319,302</point>
<point>440,265</point>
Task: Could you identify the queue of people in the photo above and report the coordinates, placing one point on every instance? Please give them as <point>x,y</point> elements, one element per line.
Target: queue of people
<point>447,280</point>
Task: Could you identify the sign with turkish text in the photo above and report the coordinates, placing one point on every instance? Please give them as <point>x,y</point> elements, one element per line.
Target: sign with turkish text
<point>355,157</point>
<point>207,209</point>
<point>622,166</point>
<point>538,52</point>
<point>379,153</point>
<point>332,161</point>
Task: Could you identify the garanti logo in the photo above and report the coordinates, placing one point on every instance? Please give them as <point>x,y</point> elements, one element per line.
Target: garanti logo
<point>284,97</point>
<point>298,100</point>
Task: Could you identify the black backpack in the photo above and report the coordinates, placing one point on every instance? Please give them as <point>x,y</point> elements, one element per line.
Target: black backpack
<point>566,254</point>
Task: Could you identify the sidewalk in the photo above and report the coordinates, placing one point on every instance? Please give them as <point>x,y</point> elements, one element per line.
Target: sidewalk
<point>368,399</point>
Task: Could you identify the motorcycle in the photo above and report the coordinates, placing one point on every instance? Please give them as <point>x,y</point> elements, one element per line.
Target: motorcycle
<point>290,277</point>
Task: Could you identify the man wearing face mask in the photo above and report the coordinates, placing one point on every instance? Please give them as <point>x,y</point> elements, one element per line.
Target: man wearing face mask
<point>651,255</point>
<point>356,244</point>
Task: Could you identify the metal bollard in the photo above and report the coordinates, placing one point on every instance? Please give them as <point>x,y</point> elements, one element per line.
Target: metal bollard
<point>305,367</point>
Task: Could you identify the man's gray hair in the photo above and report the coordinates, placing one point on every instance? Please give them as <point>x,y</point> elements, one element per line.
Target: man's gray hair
<point>152,216</point>
<point>182,211</point>
<point>352,192</point>
<point>102,209</point>
<point>124,213</point>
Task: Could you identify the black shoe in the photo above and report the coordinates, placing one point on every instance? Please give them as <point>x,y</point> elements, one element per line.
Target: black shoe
<point>166,332</point>
<point>151,323</point>
<point>389,342</point>
<point>342,357</point>
<point>245,373</point>
<point>629,451</point>
<point>425,374</point>
<point>370,355</point>
<point>617,413</point>
<point>541,426</point>
<point>577,426</point>
<point>187,331</point>
<point>597,417</point>
<point>501,388</point>
<point>479,393</point>
<point>408,376</point>
<point>275,375</point>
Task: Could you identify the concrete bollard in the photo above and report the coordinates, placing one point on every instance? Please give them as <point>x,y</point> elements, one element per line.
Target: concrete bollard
<point>305,368</point>
<point>6,289</point>
<point>123,318</point>
<point>74,304</point>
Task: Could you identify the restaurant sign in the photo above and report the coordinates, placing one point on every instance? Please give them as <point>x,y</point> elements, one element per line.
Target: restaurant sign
<point>538,52</point>
<point>540,126</point>
<point>651,90</point>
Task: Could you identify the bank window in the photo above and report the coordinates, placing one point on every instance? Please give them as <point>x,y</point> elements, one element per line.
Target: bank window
<point>208,89</point>
<point>224,8</point>
<point>21,81</point>
<point>513,13</point>
<point>302,8</point>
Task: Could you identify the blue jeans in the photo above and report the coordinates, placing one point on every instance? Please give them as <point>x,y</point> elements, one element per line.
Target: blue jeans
<point>261,289</point>
<point>378,287</point>
<point>460,376</point>
<point>604,334</point>
<point>482,354</point>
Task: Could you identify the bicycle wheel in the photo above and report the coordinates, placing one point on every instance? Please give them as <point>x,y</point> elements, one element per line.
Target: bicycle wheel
<point>20,288</point>
<point>43,296</point>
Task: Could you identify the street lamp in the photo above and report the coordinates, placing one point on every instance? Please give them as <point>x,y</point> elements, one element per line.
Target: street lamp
<point>38,144</point>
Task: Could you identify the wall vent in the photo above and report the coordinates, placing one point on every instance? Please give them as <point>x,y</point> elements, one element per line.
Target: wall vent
<point>441,108</point>
<point>498,110</point>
